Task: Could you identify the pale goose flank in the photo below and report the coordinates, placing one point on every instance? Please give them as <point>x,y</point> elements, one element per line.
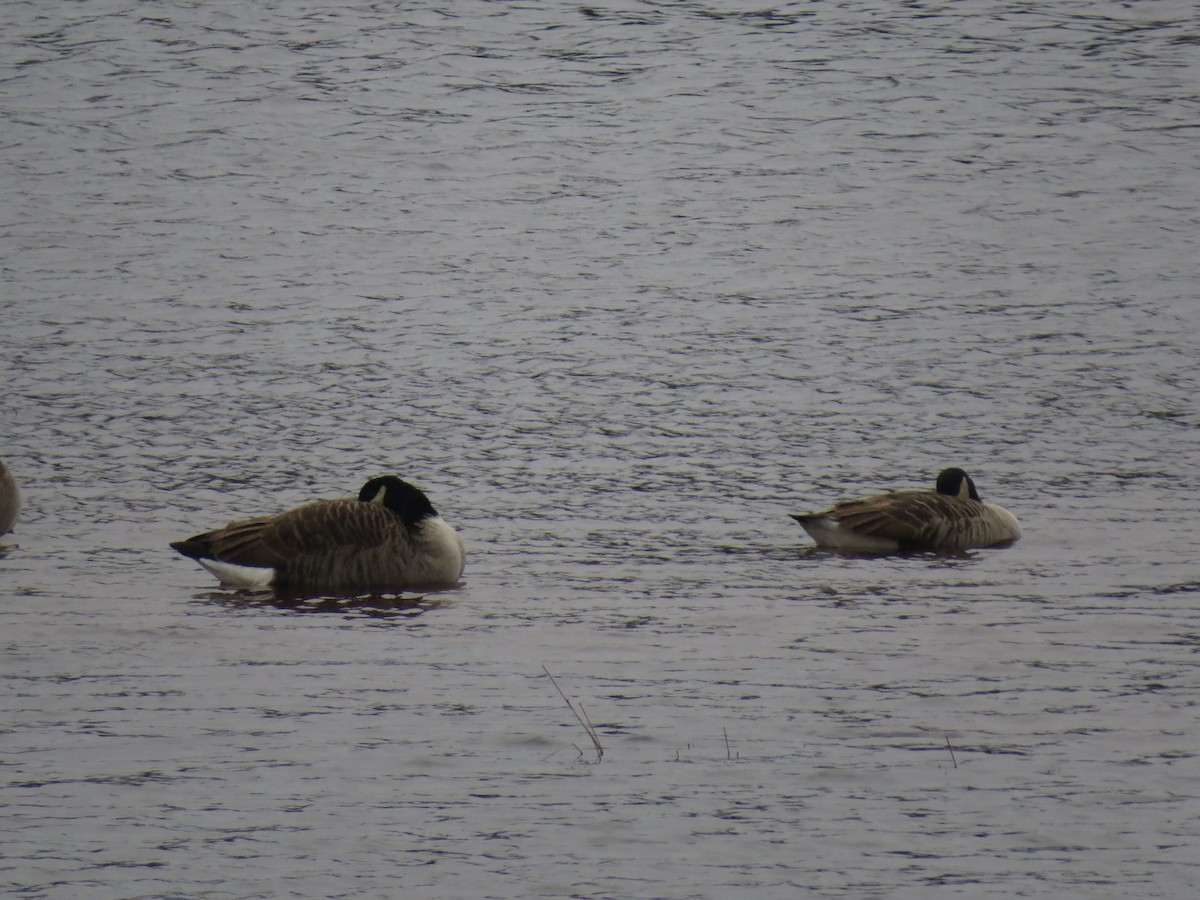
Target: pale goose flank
<point>950,518</point>
<point>389,539</point>
<point>10,500</point>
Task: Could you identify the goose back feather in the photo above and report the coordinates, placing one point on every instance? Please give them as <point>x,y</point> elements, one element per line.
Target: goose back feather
<point>10,500</point>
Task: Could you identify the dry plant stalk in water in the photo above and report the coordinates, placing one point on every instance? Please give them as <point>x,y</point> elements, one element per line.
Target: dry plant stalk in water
<point>581,719</point>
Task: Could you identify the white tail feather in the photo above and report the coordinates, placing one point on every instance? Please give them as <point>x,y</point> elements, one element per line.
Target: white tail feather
<point>248,577</point>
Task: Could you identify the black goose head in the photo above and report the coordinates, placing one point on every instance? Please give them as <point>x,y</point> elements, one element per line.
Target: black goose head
<point>406,501</point>
<point>956,483</point>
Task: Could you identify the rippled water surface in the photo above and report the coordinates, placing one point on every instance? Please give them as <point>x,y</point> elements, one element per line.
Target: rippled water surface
<point>620,285</point>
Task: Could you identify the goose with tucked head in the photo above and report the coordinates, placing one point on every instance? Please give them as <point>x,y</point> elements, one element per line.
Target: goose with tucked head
<point>952,517</point>
<point>10,500</point>
<point>388,539</point>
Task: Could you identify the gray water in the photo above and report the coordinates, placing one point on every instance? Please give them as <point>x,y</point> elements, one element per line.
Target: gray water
<point>620,285</point>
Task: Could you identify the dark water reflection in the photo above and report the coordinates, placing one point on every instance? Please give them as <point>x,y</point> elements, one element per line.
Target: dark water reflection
<point>621,286</point>
<point>382,606</point>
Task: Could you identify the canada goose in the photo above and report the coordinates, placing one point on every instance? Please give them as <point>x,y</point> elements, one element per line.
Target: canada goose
<point>390,538</point>
<point>950,518</point>
<point>10,500</point>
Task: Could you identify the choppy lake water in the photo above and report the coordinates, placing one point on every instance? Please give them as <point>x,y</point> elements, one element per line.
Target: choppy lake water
<point>620,285</point>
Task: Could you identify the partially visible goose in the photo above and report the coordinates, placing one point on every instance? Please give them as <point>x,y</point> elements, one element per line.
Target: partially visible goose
<point>950,518</point>
<point>390,538</point>
<point>10,500</point>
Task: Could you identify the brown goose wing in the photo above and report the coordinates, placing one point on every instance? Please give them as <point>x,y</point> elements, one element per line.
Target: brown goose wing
<point>319,527</point>
<point>315,529</point>
<point>911,518</point>
<point>237,542</point>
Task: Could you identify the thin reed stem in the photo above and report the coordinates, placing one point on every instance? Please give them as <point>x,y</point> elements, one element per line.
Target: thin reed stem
<point>581,719</point>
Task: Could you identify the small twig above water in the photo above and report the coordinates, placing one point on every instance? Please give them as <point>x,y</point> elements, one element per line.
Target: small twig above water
<point>951,749</point>
<point>581,719</point>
